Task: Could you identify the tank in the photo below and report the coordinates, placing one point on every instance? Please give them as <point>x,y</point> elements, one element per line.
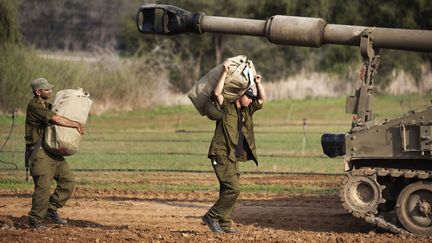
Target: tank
<point>388,165</point>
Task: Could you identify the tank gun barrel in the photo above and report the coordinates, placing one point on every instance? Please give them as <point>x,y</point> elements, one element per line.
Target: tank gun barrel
<point>279,29</point>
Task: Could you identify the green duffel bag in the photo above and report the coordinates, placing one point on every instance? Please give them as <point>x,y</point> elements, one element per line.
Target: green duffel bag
<point>236,83</point>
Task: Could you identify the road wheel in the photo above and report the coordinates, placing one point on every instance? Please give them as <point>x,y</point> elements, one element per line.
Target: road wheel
<point>361,195</point>
<point>414,208</point>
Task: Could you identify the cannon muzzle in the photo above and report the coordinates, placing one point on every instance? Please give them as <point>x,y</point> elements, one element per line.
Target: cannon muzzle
<point>333,144</point>
<point>167,20</point>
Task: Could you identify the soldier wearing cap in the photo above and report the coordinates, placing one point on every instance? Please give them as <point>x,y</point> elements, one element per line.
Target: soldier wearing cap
<point>233,141</point>
<point>44,167</point>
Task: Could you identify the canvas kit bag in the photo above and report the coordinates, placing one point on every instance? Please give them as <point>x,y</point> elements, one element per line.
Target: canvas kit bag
<point>239,78</point>
<point>75,105</point>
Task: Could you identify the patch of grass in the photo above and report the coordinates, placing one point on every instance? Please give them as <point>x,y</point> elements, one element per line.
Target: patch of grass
<point>13,183</point>
<point>177,137</point>
<point>284,189</point>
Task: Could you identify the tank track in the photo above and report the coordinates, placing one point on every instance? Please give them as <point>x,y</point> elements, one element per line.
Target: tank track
<point>377,220</point>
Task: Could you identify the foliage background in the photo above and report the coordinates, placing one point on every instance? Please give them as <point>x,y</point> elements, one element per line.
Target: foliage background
<point>124,69</point>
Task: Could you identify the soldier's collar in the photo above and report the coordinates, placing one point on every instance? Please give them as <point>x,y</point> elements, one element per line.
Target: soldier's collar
<point>39,101</point>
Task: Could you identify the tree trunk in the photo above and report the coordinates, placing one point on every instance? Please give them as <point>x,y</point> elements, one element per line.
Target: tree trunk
<point>197,68</point>
<point>219,41</point>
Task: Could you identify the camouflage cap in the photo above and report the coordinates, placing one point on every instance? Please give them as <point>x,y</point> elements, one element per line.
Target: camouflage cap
<point>40,83</point>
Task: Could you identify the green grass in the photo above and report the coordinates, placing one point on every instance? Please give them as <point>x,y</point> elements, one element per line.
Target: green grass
<point>14,183</point>
<point>177,138</point>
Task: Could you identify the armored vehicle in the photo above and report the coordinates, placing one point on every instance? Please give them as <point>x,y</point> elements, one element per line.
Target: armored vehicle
<point>388,165</point>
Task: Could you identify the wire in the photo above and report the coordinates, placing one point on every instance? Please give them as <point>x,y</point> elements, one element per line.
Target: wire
<point>7,139</point>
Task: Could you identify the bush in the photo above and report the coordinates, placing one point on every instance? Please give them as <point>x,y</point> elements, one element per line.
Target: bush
<point>114,83</point>
<point>9,32</point>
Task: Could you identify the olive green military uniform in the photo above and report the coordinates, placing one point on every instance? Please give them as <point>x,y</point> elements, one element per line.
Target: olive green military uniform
<point>44,166</point>
<point>227,148</point>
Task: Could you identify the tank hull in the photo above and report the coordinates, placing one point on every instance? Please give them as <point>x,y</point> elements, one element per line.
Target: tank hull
<point>406,138</point>
<point>390,166</point>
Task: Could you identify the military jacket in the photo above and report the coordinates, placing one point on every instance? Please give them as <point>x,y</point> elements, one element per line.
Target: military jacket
<point>226,133</point>
<point>38,116</point>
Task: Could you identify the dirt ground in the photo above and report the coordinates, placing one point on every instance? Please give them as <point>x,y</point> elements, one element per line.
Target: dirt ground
<point>138,216</point>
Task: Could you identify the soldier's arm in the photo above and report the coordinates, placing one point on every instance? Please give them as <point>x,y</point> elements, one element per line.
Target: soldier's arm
<point>65,122</point>
<point>260,89</point>
<point>220,84</point>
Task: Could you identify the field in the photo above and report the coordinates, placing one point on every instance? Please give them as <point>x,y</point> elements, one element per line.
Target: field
<point>144,176</point>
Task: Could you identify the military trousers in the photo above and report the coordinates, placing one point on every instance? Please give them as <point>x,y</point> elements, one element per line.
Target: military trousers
<point>228,174</point>
<point>44,169</point>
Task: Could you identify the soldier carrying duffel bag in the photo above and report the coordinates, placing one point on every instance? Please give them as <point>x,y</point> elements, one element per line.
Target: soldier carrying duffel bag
<point>233,141</point>
<point>44,165</point>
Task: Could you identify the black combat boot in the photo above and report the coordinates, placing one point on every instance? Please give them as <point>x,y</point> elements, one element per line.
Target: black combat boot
<point>213,224</point>
<point>33,224</point>
<point>55,218</point>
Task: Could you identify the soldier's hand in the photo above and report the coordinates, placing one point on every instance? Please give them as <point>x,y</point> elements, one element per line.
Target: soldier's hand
<point>226,67</point>
<point>258,78</point>
<point>81,129</point>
